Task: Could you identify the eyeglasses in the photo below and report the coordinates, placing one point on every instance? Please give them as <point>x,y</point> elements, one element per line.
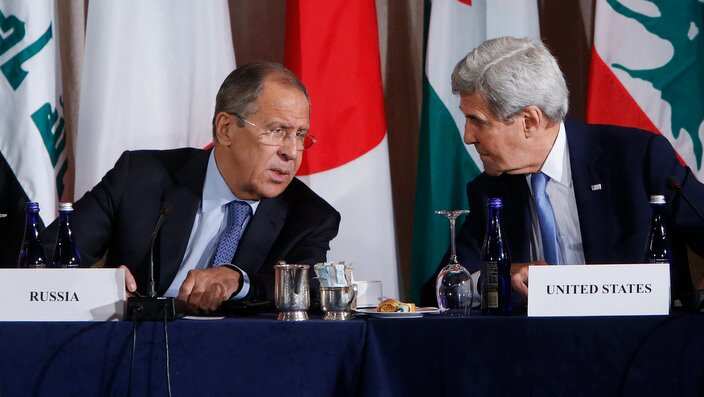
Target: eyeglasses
<point>277,136</point>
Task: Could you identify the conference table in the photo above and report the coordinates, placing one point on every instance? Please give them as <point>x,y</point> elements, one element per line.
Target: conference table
<point>430,356</point>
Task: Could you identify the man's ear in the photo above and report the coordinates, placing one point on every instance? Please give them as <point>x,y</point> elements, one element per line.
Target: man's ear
<point>223,124</point>
<point>532,118</point>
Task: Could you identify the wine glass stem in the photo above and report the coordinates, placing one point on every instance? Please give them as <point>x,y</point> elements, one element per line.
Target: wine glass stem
<point>453,252</point>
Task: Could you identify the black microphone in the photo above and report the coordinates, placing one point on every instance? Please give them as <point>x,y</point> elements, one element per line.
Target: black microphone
<point>163,213</point>
<point>152,307</point>
<point>675,186</point>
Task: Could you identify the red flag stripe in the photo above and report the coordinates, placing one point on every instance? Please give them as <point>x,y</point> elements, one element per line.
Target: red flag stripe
<point>609,102</point>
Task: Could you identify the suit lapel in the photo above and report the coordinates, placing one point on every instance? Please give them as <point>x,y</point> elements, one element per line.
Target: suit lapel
<point>260,234</point>
<point>517,217</point>
<point>591,179</point>
<point>183,199</point>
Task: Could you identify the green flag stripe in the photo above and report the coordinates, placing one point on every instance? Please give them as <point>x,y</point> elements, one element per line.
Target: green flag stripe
<point>444,168</point>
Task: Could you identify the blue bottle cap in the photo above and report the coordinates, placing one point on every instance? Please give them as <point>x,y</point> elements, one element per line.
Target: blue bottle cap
<point>33,206</point>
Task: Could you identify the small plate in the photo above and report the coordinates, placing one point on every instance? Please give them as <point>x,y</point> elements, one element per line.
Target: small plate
<point>416,314</point>
<point>204,317</point>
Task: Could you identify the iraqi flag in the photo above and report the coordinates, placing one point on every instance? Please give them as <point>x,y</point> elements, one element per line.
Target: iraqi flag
<point>150,75</point>
<point>445,163</point>
<point>647,71</point>
<point>32,135</point>
<point>332,45</point>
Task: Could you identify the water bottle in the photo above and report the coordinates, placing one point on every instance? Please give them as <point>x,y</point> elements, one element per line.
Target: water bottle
<point>32,253</point>
<point>495,264</point>
<point>659,249</point>
<point>66,254</point>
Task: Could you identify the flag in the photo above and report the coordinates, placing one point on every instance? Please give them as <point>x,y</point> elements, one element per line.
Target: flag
<point>149,79</point>
<point>647,71</point>
<point>445,163</point>
<point>332,45</point>
<point>32,139</point>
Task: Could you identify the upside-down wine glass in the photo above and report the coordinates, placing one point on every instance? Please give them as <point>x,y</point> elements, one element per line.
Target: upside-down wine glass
<point>454,287</point>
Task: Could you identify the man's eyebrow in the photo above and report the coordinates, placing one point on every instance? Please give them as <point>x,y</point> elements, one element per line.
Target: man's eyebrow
<point>474,116</point>
<point>276,122</point>
<point>285,125</point>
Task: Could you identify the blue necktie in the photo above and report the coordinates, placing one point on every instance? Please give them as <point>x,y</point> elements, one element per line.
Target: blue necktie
<point>237,213</point>
<point>546,217</point>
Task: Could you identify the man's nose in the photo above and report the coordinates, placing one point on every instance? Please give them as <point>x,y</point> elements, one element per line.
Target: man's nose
<point>469,136</point>
<point>288,149</point>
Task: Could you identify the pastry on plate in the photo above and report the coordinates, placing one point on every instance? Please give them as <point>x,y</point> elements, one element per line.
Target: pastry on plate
<point>393,305</point>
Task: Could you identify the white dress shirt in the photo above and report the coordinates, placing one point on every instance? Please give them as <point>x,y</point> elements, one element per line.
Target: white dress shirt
<point>560,191</point>
<point>209,223</point>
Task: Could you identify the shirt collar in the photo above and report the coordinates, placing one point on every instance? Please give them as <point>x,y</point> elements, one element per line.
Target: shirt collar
<point>556,165</point>
<point>216,193</point>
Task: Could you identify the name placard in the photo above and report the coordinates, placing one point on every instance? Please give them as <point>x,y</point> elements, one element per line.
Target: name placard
<point>599,290</point>
<point>62,294</point>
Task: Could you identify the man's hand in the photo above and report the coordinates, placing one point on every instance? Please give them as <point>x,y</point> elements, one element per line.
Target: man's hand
<point>519,276</point>
<point>206,289</point>
<point>130,282</point>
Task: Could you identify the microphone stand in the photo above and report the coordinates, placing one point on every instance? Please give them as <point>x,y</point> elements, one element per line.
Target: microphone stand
<point>675,186</point>
<point>152,307</point>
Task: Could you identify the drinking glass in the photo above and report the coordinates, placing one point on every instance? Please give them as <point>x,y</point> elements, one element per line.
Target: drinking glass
<point>454,287</point>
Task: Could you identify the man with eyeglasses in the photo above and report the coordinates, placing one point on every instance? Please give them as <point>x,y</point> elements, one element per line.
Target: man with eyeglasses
<point>229,214</point>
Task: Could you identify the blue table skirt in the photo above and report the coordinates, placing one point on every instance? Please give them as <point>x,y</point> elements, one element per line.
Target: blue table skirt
<point>514,356</point>
<point>477,356</point>
<point>244,357</point>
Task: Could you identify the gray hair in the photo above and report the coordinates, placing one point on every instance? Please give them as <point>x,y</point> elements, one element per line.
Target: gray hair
<point>512,73</point>
<point>241,88</point>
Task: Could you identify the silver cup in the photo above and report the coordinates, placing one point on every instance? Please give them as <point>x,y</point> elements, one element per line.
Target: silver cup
<point>336,302</point>
<point>291,291</point>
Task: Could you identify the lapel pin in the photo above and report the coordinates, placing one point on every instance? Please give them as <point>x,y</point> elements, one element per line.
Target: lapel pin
<point>596,187</point>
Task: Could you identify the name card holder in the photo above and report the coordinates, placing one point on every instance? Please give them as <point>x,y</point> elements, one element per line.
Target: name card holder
<point>599,290</point>
<point>62,294</point>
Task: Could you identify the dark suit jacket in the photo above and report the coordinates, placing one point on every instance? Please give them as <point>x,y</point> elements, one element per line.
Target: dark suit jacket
<point>12,203</point>
<point>630,165</point>
<point>119,214</point>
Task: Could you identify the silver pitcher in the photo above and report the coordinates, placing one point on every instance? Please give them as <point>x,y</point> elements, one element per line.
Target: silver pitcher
<point>291,291</point>
<point>336,302</point>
